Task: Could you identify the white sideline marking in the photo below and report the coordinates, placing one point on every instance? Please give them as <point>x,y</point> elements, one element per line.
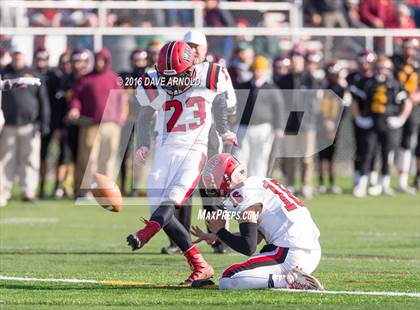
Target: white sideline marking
<point>48,280</point>
<point>394,294</point>
<point>117,282</point>
<point>29,220</point>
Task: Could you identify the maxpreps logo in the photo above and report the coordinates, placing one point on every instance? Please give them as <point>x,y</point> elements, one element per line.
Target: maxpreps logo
<point>224,215</point>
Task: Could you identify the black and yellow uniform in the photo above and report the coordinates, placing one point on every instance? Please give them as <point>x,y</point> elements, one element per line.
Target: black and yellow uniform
<point>356,83</point>
<point>385,99</point>
<point>58,107</point>
<point>408,75</point>
<point>64,95</point>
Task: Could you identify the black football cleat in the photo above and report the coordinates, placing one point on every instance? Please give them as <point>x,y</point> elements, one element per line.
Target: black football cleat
<point>203,284</point>
<point>134,242</point>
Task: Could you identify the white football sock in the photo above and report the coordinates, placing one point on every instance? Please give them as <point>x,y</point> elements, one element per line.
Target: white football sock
<point>280,281</point>
<point>404,160</point>
<point>373,178</point>
<point>403,180</point>
<point>386,181</point>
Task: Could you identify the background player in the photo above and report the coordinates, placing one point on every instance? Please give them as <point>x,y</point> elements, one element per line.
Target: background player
<point>184,117</point>
<point>266,210</point>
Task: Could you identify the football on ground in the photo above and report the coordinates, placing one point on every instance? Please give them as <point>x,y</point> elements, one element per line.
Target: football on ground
<point>107,193</point>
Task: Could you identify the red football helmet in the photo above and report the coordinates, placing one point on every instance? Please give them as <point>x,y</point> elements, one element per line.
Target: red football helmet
<point>218,173</point>
<point>175,59</point>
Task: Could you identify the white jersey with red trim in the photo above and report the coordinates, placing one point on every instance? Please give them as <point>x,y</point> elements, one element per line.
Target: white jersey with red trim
<point>284,220</point>
<point>184,120</point>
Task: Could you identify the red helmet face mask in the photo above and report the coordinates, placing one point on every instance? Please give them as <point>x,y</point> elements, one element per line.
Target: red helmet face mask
<point>175,64</point>
<point>217,174</point>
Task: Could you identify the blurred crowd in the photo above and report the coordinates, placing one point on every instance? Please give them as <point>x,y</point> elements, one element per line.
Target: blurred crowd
<point>382,95</point>
<point>404,14</point>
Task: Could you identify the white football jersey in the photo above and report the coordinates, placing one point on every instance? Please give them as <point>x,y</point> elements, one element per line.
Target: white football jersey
<point>184,120</point>
<point>284,220</point>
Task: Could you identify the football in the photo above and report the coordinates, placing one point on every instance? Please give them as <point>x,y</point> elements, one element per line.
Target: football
<point>107,193</point>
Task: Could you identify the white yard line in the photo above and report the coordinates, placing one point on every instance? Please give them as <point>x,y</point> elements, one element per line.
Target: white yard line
<point>48,280</point>
<point>367,293</point>
<point>125,283</point>
<point>28,220</point>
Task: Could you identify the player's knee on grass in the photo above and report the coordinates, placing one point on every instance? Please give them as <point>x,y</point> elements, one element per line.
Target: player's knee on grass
<point>164,213</point>
<point>239,282</point>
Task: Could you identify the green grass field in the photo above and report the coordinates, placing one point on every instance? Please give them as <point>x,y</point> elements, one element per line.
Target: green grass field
<point>368,245</point>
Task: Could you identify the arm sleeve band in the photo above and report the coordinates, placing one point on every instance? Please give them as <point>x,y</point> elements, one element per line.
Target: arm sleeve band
<point>220,113</point>
<point>246,243</point>
<point>145,126</point>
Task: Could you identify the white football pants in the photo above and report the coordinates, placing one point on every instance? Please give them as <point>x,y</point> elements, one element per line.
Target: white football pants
<point>254,273</point>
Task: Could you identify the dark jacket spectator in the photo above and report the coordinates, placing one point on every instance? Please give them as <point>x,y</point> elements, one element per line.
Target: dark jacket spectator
<point>299,81</point>
<point>25,106</point>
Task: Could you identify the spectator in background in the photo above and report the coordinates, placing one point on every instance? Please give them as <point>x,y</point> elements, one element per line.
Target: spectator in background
<point>97,101</point>
<point>261,119</point>
<point>240,69</point>
<point>415,7</point>
<point>353,14</point>
<point>81,62</point>
<point>27,116</point>
<point>404,21</point>
<point>378,14</point>
<point>326,13</point>
<point>299,78</point>
<point>330,107</point>
<point>152,50</point>
<point>181,17</point>
<point>216,17</point>
<point>4,61</point>
<point>43,18</point>
<point>120,47</point>
<point>4,58</point>
<point>52,78</point>
<point>313,65</point>
<point>80,18</point>
<point>281,67</point>
<point>138,65</point>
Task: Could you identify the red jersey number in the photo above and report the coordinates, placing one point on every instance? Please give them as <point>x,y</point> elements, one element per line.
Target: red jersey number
<point>290,201</point>
<point>176,105</point>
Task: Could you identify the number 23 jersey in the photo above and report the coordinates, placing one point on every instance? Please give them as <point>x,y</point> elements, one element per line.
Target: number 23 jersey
<point>184,120</point>
<point>284,220</point>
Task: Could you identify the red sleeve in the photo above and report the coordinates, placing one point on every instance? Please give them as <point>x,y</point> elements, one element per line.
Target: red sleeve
<point>76,91</point>
<point>365,14</point>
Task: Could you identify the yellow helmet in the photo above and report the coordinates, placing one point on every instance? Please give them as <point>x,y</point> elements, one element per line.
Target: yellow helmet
<point>261,63</point>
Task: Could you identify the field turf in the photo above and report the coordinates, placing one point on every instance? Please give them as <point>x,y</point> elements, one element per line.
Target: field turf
<point>368,245</point>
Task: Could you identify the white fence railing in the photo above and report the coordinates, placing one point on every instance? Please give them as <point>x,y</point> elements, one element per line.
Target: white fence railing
<point>295,31</point>
<point>197,6</point>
